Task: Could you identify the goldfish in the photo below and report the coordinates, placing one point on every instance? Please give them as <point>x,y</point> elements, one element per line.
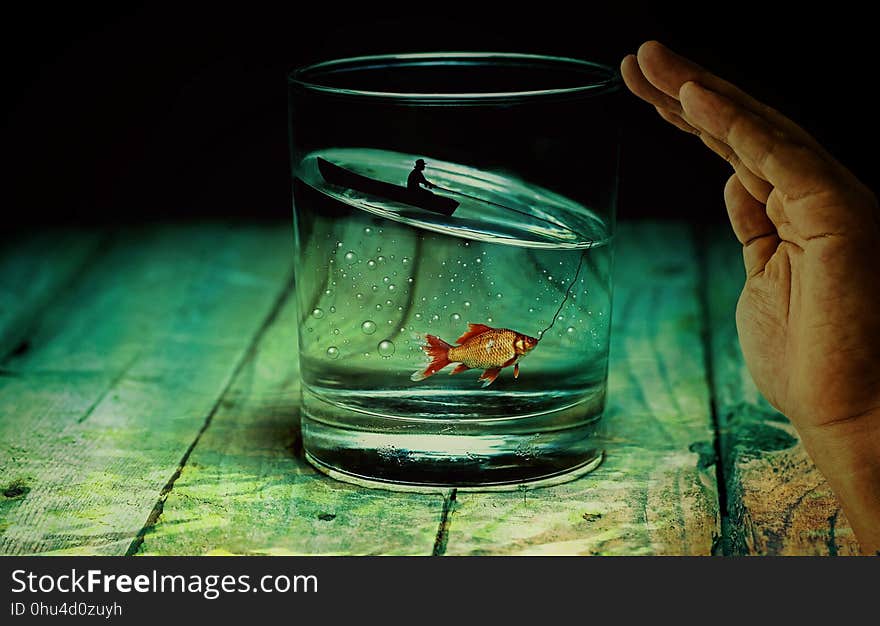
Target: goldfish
<point>481,347</point>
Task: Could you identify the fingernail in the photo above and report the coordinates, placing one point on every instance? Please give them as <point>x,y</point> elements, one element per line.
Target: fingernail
<point>648,45</point>
<point>695,100</point>
<point>701,107</point>
<point>692,86</point>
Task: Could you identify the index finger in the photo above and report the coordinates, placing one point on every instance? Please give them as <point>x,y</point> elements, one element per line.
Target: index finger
<point>668,72</point>
<point>793,168</point>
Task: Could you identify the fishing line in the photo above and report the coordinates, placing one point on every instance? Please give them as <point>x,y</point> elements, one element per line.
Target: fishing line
<point>509,208</point>
<point>547,221</point>
<point>567,294</point>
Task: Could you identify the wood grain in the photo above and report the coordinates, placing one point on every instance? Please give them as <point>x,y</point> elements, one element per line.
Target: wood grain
<point>655,493</point>
<point>123,352</point>
<point>777,502</point>
<point>247,489</point>
<point>120,375</point>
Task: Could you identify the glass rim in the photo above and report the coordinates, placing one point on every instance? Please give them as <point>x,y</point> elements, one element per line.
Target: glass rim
<point>610,82</point>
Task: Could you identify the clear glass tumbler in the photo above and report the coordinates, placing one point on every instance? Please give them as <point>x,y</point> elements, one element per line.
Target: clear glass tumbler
<point>454,214</point>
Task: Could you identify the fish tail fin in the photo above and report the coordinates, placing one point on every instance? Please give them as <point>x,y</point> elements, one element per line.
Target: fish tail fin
<point>438,350</point>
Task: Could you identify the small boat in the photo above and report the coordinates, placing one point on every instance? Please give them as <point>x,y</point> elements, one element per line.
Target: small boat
<point>336,175</point>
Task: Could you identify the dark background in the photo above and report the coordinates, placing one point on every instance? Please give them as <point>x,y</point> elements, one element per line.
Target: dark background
<point>140,112</point>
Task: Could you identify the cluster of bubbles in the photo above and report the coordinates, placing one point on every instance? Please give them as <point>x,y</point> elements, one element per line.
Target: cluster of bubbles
<point>449,306</point>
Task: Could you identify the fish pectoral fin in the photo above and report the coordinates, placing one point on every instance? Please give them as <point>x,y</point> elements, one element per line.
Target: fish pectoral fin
<point>488,376</point>
<point>516,370</point>
<point>459,369</point>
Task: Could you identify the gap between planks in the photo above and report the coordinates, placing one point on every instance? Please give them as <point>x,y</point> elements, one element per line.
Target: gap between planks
<point>701,235</point>
<point>156,292</point>
<point>445,523</point>
<point>156,513</point>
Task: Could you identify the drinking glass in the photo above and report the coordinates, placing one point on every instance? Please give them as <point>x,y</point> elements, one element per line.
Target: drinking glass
<point>453,214</point>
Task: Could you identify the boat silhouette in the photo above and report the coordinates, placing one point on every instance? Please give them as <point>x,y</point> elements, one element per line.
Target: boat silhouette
<point>341,177</point>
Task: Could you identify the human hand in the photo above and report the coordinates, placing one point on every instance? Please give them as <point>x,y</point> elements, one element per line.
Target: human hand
<point>809,314</point>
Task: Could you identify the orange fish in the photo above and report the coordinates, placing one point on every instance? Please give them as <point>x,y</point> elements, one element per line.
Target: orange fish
<point>481,347</point>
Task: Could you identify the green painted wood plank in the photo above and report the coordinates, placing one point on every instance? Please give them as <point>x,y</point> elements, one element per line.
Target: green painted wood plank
<point>34,268</point>
<point>247,489</point>
<point>655,493</point>
<point>777,502</point>
<point>120,376</point>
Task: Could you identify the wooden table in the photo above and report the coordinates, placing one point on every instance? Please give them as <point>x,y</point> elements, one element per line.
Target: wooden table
<point>148,405</point>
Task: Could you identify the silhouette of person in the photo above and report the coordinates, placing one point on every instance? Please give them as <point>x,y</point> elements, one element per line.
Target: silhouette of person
<point>416,179</point>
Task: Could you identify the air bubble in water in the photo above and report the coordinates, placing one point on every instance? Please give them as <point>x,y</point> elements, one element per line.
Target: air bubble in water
<point>350,257</point>
<point>333,309</point>
<point>332,352</point>
<point>466,304</point>
<point>570,330</point>
<point>455,317</point>
<point>367,230</point>
<point>318,313</point>
<point>386,348</point>
<point>371,264</point>
<point>369,327</point>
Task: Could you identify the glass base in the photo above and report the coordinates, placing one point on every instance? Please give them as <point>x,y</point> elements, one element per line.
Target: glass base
<point>403,454</point>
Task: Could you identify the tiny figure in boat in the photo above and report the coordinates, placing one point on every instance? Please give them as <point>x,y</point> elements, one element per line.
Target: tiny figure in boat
<point>416,179</point>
